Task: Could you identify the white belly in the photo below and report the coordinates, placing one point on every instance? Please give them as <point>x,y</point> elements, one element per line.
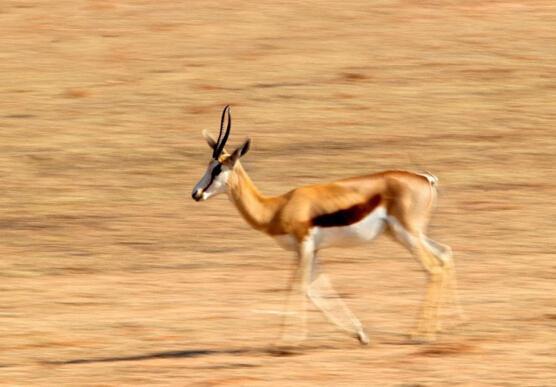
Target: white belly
<point>365,230</point>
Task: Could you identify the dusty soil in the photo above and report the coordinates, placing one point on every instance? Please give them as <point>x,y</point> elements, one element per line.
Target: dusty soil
<point>111,275</point>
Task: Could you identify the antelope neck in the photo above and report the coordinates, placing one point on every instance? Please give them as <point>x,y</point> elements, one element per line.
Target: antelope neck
<point>258,210</point>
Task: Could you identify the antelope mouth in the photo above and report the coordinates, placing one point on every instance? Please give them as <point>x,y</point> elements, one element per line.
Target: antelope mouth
<point>197,195</point>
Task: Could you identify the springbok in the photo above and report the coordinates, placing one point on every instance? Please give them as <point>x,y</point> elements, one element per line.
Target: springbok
<point>343,212</point>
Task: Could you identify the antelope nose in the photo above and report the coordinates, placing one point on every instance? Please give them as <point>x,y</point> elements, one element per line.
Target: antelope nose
<point>197,195</point>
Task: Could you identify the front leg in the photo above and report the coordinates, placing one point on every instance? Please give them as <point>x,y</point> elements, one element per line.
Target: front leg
<point>294,327</point>
<point>324,296</point>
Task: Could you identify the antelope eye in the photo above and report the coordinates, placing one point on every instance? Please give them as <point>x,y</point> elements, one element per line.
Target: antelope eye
<point>216,170</point>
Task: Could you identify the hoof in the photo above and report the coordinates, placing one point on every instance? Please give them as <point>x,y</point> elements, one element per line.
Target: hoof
<point>363,338</point>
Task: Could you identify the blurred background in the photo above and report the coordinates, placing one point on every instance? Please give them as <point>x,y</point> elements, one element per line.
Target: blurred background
<point>110,274</point>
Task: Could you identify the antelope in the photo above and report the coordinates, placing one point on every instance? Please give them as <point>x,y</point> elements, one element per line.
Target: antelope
<point>340,213</point>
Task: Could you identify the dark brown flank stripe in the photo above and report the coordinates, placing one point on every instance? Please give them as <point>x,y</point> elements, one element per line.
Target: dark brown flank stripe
<point>347,216</point>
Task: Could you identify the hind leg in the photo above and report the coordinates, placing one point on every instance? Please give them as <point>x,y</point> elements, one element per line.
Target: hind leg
<point>427,320</point>
<point>444,254</point>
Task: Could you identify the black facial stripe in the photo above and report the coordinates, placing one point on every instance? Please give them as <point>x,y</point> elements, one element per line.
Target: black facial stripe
<point>213,174</point>
<point>216,170</point>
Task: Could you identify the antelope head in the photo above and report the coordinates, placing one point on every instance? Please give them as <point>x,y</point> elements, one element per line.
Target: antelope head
<point>221,166</point>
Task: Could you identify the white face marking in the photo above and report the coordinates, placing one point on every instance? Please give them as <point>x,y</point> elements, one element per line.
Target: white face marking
<point>218,185</point>
<point>365,230</point>
<point>210,185</point>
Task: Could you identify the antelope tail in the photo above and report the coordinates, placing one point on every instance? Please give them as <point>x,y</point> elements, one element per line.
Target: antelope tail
<point>433,184</point>
<point>433,180</point>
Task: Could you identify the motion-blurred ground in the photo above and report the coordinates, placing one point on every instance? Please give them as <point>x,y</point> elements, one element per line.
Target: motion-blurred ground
<point>111,275</point>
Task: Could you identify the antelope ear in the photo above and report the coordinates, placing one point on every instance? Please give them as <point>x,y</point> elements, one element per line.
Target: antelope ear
<point>210,141</point>
<point>239,152</point>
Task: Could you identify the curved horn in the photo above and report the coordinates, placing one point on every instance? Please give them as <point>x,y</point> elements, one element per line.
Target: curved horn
<point>214,153</point>
<point>221,142</point>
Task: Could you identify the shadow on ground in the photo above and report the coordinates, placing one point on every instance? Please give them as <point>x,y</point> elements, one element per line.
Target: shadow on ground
<point>193,353</point>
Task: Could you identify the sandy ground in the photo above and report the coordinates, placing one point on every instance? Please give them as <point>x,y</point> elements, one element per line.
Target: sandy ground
<point>111,275</point>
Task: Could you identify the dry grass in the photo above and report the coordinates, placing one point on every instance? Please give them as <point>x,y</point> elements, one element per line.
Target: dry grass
<point>111,275</point>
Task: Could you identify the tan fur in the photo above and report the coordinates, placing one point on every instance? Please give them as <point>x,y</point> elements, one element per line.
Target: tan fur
<point>407,196</point>
<point>400,200</point>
